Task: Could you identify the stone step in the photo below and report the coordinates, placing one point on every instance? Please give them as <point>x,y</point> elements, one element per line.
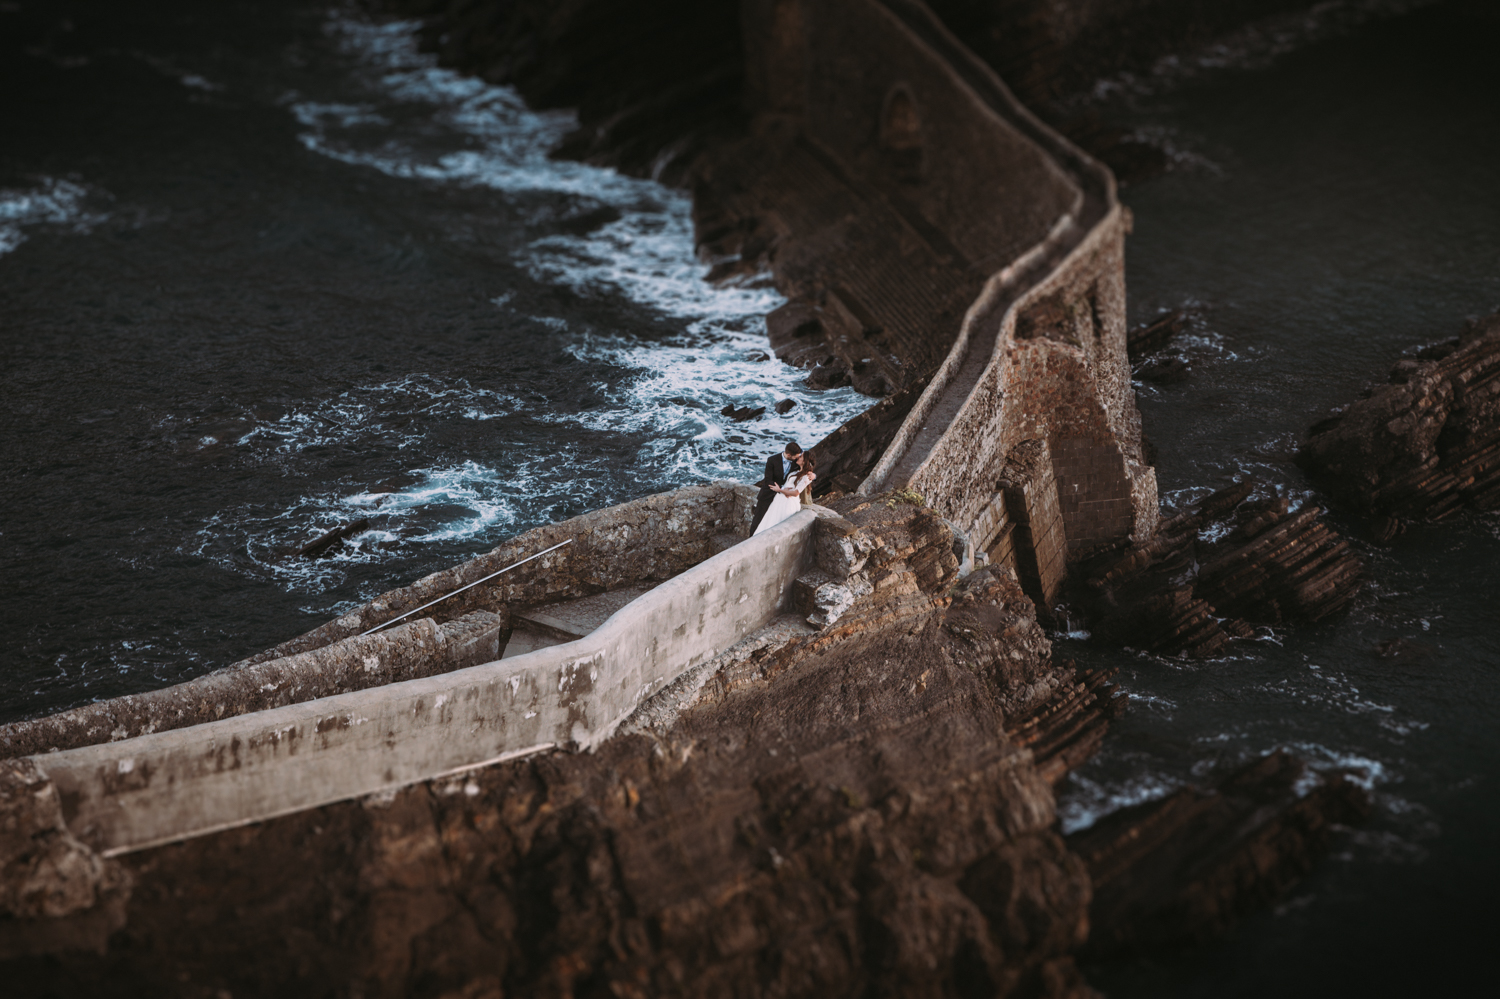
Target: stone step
<point>566,621</point>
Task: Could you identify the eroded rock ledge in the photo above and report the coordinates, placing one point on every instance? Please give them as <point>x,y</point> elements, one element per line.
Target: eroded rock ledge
<point>1423,446</point>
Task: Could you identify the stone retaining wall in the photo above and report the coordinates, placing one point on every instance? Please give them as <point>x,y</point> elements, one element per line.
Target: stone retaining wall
<point>136,793</point>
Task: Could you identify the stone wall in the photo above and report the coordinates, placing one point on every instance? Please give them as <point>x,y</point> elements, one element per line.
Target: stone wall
<point>140,792</point>
<point>644,541</point>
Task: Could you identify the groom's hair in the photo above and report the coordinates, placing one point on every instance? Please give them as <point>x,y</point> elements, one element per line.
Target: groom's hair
<point>792,448</point>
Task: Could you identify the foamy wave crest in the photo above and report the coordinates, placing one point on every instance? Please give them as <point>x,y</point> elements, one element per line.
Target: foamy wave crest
<point>53,203</point>
<point>423,121</point>
<point>397,412</point>
<point>1083,801</point>
<point>453,503</point>
<point>674,400</point>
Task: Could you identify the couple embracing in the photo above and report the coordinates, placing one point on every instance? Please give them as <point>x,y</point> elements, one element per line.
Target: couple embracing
<point>788,477</point>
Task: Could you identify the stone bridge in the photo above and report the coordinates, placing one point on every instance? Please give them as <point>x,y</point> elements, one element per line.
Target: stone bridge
<point>940,246</point>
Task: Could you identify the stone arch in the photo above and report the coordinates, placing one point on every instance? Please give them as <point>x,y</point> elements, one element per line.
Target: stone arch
<point>901,138</point>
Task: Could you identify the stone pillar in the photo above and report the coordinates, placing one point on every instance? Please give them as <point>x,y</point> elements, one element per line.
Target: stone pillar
<point>1040,539</point>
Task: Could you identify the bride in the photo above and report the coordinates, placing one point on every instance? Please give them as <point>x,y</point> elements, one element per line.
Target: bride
<point>788,499</point>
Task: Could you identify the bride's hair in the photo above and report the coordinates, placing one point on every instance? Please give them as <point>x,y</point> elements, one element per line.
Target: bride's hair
<point>808,462</point>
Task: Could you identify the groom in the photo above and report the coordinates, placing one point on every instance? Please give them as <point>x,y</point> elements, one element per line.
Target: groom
<point>778,467</point>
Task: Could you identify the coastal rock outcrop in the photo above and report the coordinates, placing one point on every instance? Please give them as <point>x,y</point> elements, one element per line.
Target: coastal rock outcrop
<point>1423,446</point>
<point>1237,558</point>
<point>1180,870</point>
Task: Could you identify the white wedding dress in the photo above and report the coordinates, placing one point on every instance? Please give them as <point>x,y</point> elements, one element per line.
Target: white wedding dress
<point>782,506</point>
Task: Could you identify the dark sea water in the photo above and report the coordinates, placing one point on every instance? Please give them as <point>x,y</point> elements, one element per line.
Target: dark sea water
<point>264,270</point>
<point>1332,208</point>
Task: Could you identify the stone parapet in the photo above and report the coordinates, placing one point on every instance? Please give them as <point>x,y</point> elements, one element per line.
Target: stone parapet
<point>409,651</point>
<point>139,792</point>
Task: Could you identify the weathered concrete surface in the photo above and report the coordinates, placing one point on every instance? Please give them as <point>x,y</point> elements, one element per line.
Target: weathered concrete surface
<point>843,816</point>
<point>405,652</point>
<point>170,785</point>
<point>1423,446</point>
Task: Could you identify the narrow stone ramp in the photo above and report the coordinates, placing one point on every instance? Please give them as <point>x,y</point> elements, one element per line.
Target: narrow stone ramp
<point>567,621</point>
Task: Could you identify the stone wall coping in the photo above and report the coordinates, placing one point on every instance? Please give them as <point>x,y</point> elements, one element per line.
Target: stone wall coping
<point>154,789</point>
<point>1068,233</point>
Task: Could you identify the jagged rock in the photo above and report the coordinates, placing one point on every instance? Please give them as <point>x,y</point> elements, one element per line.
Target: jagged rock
<point>1423,446</point>
<point>1180,870</point>
<point>1064,731</point>
<point>329,542</point>
<point>741,413</point>
<point>1180,594</point>
<point>1148,338</point>
<point>1163,371</point>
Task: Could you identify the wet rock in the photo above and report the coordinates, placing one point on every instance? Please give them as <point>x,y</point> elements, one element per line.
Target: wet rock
<point>328,543</point>
<point>757,356</point>
<point>1182,594</point>
<point>1423,446</point>
<point>1163,371</point>
<point>786,406</point>
<point>742,413</point>
<point>832,373</point>
<point>1180,870</point>
<point>1148,338</point>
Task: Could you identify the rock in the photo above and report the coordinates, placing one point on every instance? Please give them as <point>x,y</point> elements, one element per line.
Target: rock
<point>786,406</point>
<point>1179,594</point>
<point>1148,338</point>
<point>849,817</point>
<point>1180,870</point>
<point>327,544</point>
<point>55,893</point>
<point>832,373</point>
<point>1163,371</point>
<point>742,413</point>
<point>758,356</point>
<point>1423,446</point>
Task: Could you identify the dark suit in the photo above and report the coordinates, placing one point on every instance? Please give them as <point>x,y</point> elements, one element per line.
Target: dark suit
<point>776,471</point>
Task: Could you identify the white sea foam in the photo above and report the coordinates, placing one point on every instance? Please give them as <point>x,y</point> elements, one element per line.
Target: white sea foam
<point>663,388</point>
<point>53,202</point>
<point>1083,801</point>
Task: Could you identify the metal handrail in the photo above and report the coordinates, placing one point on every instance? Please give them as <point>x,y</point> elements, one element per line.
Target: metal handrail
<point>476,582</point>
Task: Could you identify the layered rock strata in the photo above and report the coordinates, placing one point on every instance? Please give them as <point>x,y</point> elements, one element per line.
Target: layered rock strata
<point>1234,560</point>
<point>1180,870</point>
<point>1423,446</point>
